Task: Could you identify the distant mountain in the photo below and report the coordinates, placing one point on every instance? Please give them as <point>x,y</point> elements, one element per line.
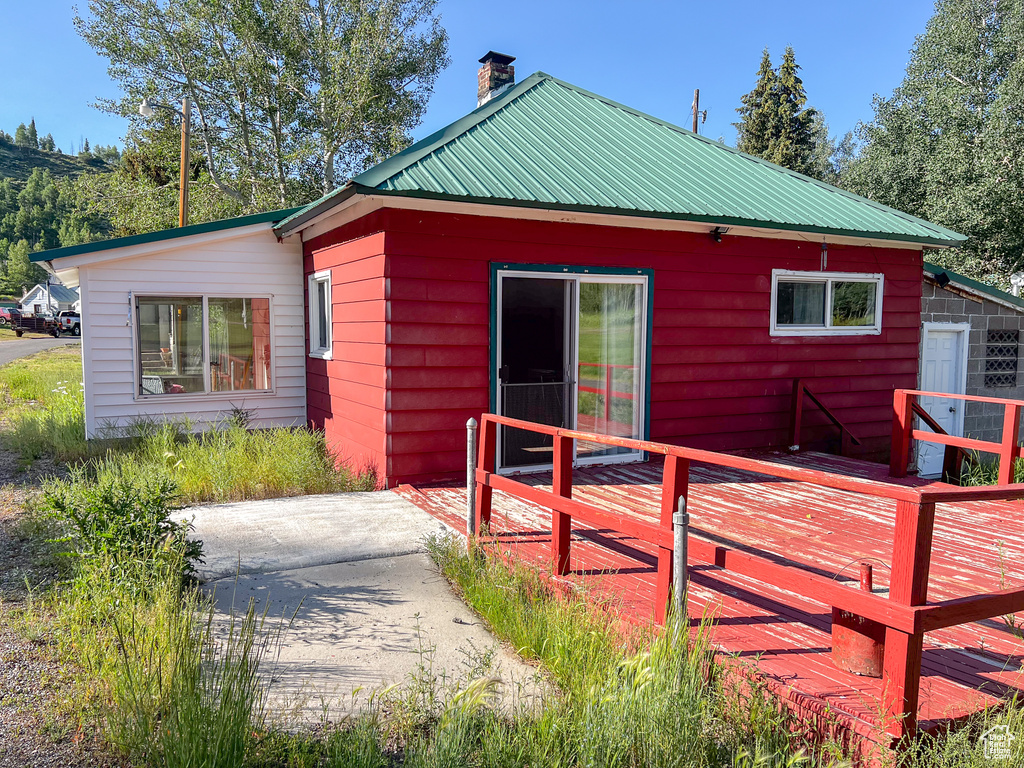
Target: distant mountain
<point>17,163</point>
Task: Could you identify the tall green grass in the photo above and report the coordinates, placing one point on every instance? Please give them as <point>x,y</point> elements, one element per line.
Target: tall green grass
<point>626,697</point>
<point>44,416</point>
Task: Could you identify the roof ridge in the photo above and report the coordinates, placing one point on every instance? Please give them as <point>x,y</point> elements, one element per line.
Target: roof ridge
<point>449,133</point>
<point>401,161</point>
<point>759,160</point>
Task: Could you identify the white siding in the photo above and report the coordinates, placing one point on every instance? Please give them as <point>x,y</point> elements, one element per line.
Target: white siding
<point>255,263</point>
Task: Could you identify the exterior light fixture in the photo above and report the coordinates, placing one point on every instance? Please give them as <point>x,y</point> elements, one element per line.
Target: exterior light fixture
<point>147,109</point>
<point>717,232</point>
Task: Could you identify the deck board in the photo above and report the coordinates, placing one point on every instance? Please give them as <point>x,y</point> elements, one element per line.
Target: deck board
<point>978,547</point>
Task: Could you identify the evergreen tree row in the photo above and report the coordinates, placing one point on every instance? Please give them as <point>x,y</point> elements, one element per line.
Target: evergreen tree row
<point>27,136</point>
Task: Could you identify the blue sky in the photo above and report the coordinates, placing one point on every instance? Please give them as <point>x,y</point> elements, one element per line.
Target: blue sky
<point>649,55</point>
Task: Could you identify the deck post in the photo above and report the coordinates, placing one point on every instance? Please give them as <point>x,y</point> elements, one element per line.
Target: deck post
<point>797,411</point>
<point>674,486</point>
<point>561,523</point>
<point>487,458</point>
<point>908,585</point>
<point>1008,453</point>
<point>681,528</point>
<point>471,480</point>
<point>902,425</point>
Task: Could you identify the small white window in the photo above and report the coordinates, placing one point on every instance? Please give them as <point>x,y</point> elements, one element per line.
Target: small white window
<point>320,315</point>
<point>826,303</point>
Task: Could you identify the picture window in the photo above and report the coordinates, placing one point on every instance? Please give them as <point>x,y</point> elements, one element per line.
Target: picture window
<point>202,344</point>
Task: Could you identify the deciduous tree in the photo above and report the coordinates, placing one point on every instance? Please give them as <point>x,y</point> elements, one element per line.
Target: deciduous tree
<point>289,96</point>
<point>948,144</point>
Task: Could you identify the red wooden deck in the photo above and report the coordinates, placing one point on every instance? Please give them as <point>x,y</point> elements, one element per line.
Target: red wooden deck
<point>978,547</point>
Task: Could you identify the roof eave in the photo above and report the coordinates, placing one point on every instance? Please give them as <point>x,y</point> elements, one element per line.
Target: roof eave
<point>162,234</point>
<point>934,242</point>
<point>297,220</point>
<point>974,287</point>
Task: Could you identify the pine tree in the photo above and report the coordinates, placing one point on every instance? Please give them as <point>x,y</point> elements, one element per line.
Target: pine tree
<point>33,137</point>
<point>756,115</point>
<point>775,124</point>
<point>792,142</point>
<point>47,143</point>
<point>21,136</point>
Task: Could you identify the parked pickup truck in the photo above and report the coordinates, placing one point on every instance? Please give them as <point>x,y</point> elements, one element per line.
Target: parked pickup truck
<point>70,321</point>
<point>34,324</point>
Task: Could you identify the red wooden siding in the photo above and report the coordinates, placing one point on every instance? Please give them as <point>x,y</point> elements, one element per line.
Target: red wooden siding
<point>718,379</point>
<point>346,395</point>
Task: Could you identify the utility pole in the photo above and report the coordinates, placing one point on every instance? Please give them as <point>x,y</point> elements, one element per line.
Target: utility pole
<point>186,135</point>
<point>696,107</point>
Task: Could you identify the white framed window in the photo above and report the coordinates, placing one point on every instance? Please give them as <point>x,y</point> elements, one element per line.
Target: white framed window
<point>826,303</point>
<point>320,315</point>
<point>202,345</point>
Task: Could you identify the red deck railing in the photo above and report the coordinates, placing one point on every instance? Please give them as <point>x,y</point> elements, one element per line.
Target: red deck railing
<point>906,613</point>
<point>800,391</point>
<point>905,407</point>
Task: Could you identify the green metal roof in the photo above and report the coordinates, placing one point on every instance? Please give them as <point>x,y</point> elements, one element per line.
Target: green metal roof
<point>163,234</point>
<point>547,144</point>
<point>973,285</point>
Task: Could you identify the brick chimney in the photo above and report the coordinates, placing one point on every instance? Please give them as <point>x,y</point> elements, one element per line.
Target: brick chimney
<point>495,76</point>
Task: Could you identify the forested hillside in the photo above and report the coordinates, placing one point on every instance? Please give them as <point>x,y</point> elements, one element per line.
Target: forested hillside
<point>37,201</point>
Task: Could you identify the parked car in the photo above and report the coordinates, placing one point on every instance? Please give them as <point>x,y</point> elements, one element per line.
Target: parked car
<point>70,321</point>
<point>6,315</point>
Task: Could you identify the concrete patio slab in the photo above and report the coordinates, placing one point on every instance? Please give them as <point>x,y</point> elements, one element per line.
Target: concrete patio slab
<point>360,626</point>
<point>346,582</point>
<point>304,531</point>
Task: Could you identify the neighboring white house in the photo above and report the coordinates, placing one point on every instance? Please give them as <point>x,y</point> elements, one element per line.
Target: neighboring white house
<point>191,322</point>
<point>50,299</point>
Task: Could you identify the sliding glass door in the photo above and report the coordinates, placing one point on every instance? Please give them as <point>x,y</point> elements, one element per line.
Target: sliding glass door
<point>570,353</point>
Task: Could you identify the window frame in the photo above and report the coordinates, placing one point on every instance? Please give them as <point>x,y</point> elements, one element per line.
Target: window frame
<point>326,351</point>
<point>207,393</point>
<point>828,278</point>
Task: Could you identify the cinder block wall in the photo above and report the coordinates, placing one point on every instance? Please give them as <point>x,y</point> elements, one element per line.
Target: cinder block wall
<point>982,421</point>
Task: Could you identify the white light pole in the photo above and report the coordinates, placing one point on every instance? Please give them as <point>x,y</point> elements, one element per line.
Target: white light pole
<point>147,109</point>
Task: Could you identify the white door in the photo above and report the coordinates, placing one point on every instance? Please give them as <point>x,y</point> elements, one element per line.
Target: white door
<point>943,369</point>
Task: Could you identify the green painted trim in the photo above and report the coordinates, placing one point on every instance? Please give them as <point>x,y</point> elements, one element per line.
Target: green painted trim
<point>572,269</point>
<point>325,203</point>
<point>163,234</point>
<point>974,285</point>
<point>723,220</point>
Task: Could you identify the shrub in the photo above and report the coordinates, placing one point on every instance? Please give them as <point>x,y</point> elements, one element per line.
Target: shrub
<point>121,516</point>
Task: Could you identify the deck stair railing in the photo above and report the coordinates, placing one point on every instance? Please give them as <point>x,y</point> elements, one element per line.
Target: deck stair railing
<point>906,406</point>
<point>800,391</point>
<point>906,614</point>
<point>953,457</point>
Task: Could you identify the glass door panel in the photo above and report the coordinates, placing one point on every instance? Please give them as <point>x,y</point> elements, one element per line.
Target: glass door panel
<point>610,364</point>
<point>534,366</point>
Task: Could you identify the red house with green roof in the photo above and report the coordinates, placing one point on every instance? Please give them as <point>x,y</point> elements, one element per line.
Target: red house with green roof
<point>561,258</point>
